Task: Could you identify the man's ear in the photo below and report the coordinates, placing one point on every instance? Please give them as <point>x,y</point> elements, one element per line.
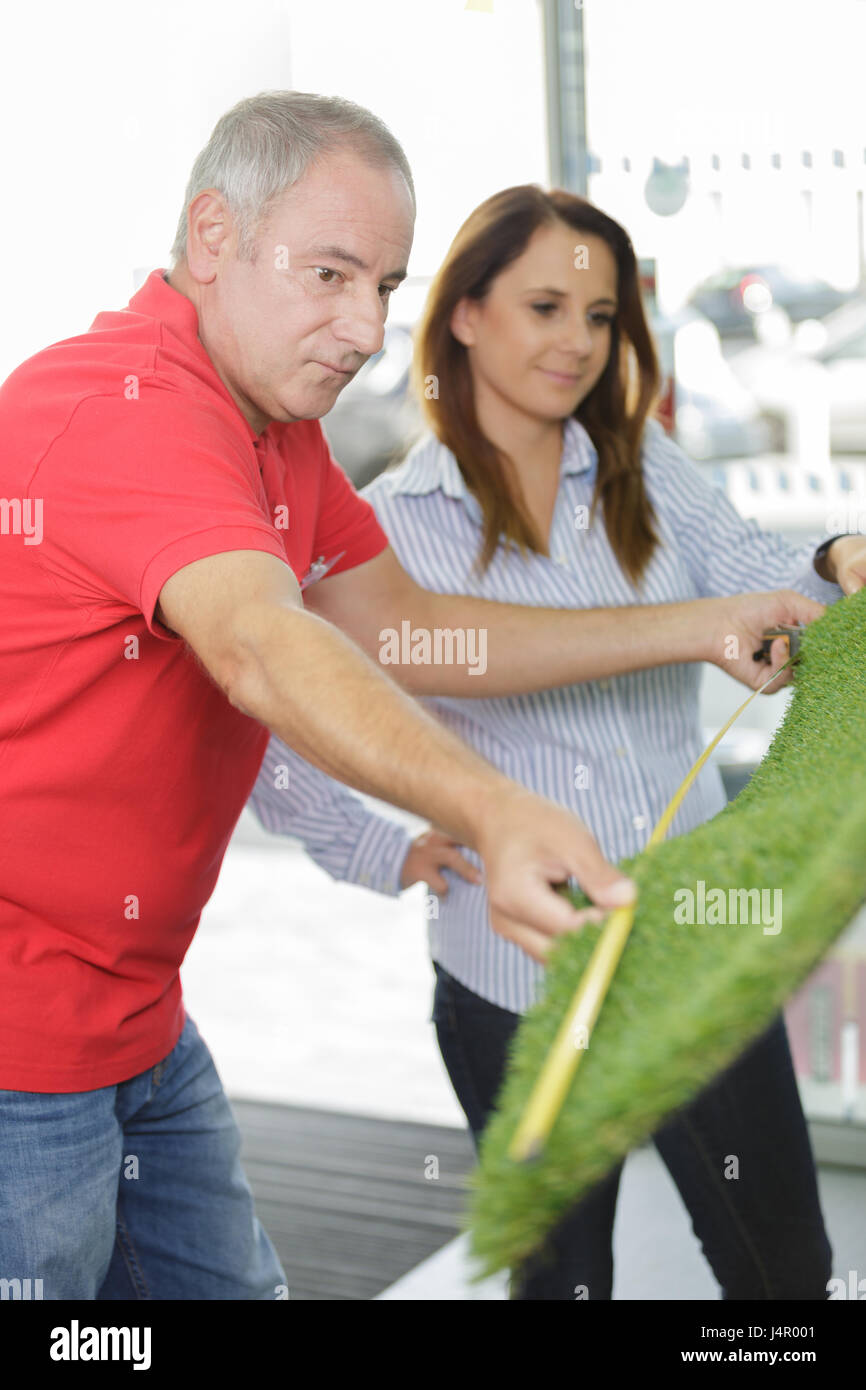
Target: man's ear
<point>209,230</point>
<point>462,322</point>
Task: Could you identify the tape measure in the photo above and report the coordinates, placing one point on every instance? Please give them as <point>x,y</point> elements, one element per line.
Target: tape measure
<point>792,635</point>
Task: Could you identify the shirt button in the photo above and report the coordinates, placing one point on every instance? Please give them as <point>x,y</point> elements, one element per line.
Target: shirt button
<point>621,752</point>
<point>365,878</point>
<point>561,559</point>
<point>604,685</point>
<point>389,887</point>
<point>639,822</point>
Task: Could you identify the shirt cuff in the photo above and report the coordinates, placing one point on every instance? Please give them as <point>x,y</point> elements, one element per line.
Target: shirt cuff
<point>813,586</point>
<point>379,856</point>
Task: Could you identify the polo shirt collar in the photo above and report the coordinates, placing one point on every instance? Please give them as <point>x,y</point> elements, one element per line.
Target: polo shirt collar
<point>157,299</point>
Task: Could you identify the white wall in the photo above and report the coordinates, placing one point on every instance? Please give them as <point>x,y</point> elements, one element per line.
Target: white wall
<point>463,91</point>
<point>104,105</point>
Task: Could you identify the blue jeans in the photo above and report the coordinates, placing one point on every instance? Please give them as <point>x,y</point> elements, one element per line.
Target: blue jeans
<point>762,1232</point>
<point>132,1191</point>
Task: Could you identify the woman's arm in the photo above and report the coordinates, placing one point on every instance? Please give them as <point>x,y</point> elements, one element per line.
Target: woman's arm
<point>345,838</point>
<point>725,553</point>
<point>349,841</point>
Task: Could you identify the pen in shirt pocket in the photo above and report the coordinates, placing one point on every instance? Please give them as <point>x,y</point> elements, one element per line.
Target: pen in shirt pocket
<point>318,568</point>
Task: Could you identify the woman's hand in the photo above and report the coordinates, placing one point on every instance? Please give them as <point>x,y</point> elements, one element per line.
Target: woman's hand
<point>431,852</point>
<point>735,631</point>
<point>846,563</point>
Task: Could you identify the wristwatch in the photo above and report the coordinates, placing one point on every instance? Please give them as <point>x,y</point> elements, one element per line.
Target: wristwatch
<point>820,555</point>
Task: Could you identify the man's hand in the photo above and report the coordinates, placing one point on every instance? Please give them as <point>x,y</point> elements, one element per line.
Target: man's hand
<point>529,844</point>
<point>432,852</point>
<point>736,627</point>
<point>846,563</point>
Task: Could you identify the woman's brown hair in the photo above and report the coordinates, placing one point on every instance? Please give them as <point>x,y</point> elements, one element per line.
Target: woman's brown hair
<point>614,412</point>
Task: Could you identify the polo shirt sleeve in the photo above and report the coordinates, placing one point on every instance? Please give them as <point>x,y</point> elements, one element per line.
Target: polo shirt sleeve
<point>345,521</point>
<point>134,490</point>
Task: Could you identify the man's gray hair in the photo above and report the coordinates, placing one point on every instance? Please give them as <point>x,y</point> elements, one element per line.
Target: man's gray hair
<point>264,144</point>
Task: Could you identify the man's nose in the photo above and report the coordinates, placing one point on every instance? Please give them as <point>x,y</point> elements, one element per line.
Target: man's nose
<point>361,326</point>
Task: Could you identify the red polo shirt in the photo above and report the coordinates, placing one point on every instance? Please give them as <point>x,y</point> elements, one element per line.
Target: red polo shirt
<point>123,766</point>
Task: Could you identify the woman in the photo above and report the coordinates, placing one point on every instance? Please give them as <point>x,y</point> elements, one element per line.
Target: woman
<point>543,481</point>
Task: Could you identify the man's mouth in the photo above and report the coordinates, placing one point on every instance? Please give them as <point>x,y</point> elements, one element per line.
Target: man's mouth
<point>338,371</point>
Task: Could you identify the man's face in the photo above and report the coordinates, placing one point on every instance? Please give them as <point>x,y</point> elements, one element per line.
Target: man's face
<point>315,297</point>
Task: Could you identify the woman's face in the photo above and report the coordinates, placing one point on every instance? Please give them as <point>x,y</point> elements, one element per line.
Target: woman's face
<point>539,340</point>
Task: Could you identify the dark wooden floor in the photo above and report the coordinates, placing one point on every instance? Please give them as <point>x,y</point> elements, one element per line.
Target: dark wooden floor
<point>345,1199</point>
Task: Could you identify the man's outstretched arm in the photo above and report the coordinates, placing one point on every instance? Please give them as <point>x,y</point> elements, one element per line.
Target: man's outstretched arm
<point>241,613</point>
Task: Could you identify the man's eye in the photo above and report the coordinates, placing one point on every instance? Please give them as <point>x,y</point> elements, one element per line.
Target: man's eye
<point>323,270</point>
<point>387,289</point>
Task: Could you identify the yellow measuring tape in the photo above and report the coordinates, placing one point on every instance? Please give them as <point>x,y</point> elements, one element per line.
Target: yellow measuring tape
<point>555,1077</point>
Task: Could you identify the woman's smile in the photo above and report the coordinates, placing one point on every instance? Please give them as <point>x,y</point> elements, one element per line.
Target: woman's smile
<point>564,378</point>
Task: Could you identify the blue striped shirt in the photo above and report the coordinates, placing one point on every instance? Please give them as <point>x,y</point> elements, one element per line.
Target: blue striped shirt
<point>612,751</point>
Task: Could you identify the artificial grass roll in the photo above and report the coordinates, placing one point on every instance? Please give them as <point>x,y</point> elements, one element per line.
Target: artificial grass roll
<point>688,998</point>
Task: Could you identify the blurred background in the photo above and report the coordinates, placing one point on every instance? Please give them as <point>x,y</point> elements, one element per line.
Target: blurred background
<point>731,143</point>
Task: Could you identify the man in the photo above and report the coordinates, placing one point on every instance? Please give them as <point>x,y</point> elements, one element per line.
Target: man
<point>156,631</point>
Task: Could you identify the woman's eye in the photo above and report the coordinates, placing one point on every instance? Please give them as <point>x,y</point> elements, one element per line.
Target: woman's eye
<point>598,317</point>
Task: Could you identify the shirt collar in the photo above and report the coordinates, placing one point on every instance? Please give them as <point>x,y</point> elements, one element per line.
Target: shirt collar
<point>431,465</point>
<point>157,299</point>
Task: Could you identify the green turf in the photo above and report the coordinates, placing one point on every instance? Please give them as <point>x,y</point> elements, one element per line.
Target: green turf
<point>687,999</point>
